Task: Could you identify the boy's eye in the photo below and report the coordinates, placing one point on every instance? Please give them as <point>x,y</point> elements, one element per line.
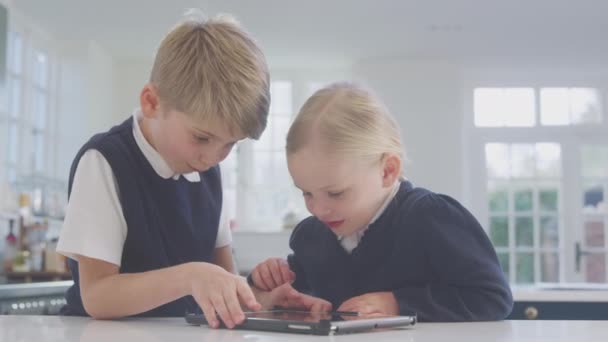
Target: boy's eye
<point>306,194</point>
<point>335,194</point>
<point>201,138</point>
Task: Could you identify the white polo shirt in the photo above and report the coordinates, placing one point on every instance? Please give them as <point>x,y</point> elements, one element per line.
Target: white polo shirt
<point>94,224</point>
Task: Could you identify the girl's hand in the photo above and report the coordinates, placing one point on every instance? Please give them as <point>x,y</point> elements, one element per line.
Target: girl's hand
<point>271,274</point>
<point>375,303</point>
<point>219,292</point>
<point>287,297</point>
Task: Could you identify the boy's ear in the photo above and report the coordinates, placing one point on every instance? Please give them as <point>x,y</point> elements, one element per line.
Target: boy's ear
<point>149,101</point>
<point>391,169</point>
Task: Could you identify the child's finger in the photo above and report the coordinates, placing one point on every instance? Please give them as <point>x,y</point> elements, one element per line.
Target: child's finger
<point>220,307</point>
<point>233,306</point>
<point>209,313</point>
<point>266,276</point>
<point>258,281</point>
<point>246,296</point>
<point>320,306</point>
<point>288,275</point>
<point>276,272</point>
<point>349,305</point>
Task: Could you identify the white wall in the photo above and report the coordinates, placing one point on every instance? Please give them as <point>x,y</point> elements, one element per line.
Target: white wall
<point>85,104</point>
<point>129,78</point>
<point>425,97</point>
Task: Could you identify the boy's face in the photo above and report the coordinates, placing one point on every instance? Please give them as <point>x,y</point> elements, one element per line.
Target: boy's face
<point>344,194</point>
<point>186,145</point>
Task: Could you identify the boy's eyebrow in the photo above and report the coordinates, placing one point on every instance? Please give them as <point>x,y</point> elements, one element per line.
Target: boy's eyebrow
<point>323,188</point>
<point>213,135</point>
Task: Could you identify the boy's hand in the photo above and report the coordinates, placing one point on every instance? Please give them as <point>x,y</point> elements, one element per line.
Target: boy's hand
<point>219,292</point>
<point>382,303</point>
<point>287,297</point>
<point>272,273</point>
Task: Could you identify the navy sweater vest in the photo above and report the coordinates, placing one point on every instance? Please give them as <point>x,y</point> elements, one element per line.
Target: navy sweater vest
<point>169,222</point>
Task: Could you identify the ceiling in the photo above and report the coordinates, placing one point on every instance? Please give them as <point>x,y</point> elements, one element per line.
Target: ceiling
<point>341,32</point>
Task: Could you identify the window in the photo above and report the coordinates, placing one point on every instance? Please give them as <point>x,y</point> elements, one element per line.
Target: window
<point>523,201</point>
<point>545,164</point>
<point>594,172</point>
<point>28,133</point>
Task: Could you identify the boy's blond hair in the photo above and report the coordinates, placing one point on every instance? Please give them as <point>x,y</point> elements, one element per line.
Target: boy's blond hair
<point>349,121</point>
<point>213,69</point>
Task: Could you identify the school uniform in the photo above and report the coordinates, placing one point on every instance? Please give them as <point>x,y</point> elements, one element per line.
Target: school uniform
<point>128,208</point>
<point>424,247</point>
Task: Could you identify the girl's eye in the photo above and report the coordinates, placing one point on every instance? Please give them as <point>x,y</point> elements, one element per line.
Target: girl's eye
<point>335,194</point>
<point>306,194</point>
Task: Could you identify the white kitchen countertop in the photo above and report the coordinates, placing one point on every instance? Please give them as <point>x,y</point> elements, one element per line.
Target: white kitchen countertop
<point>58,328</point>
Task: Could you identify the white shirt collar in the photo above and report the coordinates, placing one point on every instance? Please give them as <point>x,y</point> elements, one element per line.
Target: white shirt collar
<point>154,158</point>
<point>351,241</point>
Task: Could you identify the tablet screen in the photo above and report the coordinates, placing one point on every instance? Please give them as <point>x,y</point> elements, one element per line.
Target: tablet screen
<point>306,316</point>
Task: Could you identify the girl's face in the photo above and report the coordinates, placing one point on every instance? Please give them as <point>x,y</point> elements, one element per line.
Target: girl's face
<point>344,194</point>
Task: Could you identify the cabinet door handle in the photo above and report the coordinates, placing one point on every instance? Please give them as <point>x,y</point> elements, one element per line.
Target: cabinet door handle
<point>531,312</point>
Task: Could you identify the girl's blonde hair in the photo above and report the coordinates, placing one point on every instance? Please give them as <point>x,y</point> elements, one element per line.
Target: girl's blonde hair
<point>349,120</point>
<point>213,69</point>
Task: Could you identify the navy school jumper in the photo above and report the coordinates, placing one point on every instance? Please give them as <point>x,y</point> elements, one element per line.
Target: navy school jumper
<point>426,248</point>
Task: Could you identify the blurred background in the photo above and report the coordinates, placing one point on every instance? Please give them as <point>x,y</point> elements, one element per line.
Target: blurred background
<point>502,105</point>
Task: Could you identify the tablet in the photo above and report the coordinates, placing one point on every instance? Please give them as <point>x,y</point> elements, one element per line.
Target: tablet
<point>315,323</point>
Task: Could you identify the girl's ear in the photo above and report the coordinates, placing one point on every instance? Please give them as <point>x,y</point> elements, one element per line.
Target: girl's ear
<point>149,101</point>
<point>391,169</point>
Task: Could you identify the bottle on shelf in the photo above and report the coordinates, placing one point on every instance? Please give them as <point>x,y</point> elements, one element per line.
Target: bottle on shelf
<point>10,247</point>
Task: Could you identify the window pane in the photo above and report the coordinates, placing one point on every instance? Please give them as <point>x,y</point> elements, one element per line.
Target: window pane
<point>281,102</point>
<point>525,268</point>
<point>523,160</point>
<point>549,267</point>
<point>503,258</point>
<point>593,199</point>
<point>12,175</point>
<point>495,107</point>
<point>549,232</point>
<point>554,106</point>
<point>262,168</point>
<point>15,98</point>
<point>497,160</point>
<point>40,111</point>
<point>594,233</point>
<point>40,69</point>
<point>16,52</point>
<point>281,176</point>
<point>585,105</point>
<point>264,143</point>
<point>523,200</point>
<point>279,134</point>
<point>594,161</point>
<point>487,103</point>
<point>548,160</point>
<point>499,200</point>
<point>13,143</point>
<point>519,107</point>
<point>39,152</point>
<point>595,268</point>
<point>548,200</point>
<point>499,231</point>
<point>565,106</point>
<point>229,169</point>
<point>524,232</point>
